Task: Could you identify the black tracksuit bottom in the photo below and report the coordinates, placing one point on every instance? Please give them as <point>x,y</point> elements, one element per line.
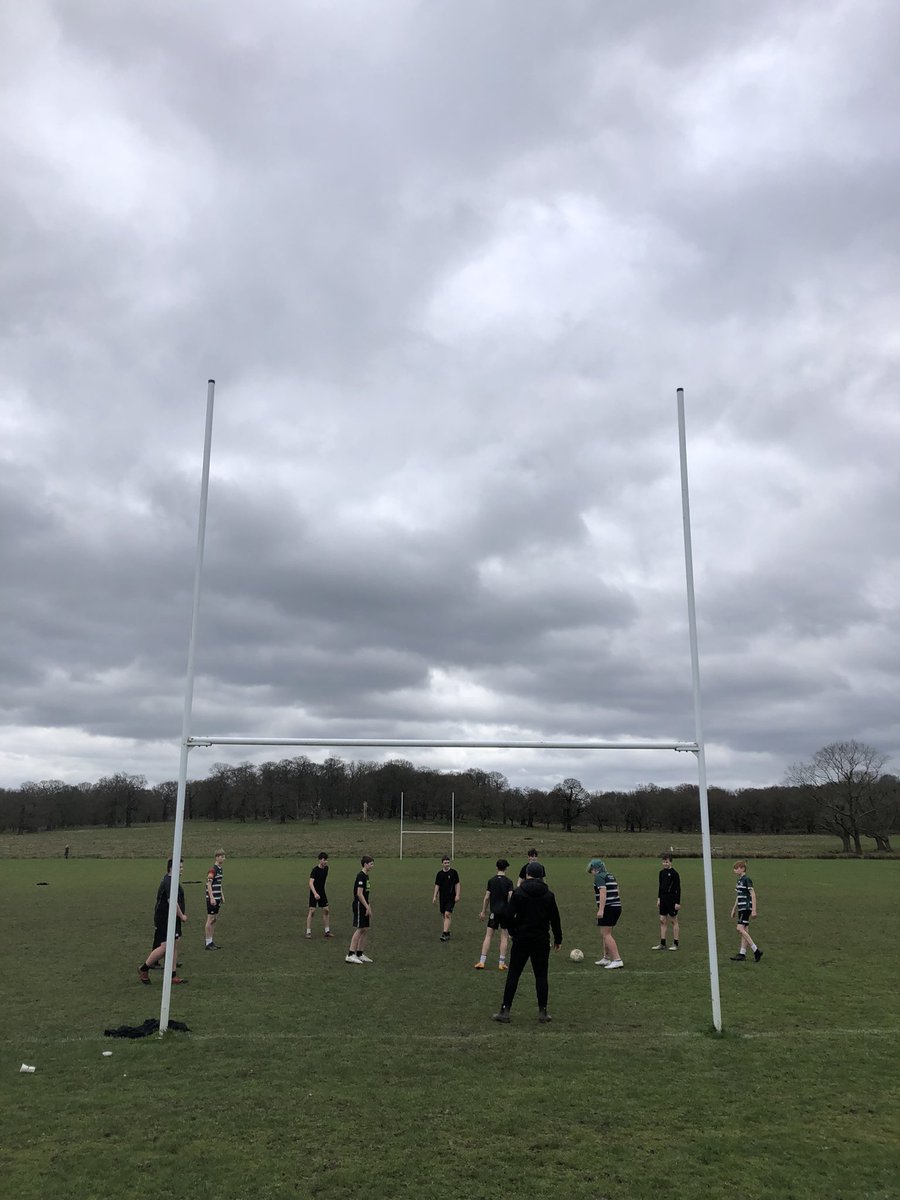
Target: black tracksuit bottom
<point>523,949</point>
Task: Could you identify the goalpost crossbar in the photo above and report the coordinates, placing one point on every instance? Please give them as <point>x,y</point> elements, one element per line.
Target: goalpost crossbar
<point>412,743</point>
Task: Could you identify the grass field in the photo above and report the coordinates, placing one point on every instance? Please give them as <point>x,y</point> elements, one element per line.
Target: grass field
<point>306,1077</point>
<point>266,839</point>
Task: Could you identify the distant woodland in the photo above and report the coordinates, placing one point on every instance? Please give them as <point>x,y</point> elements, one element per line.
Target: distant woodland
<point>842,790</point>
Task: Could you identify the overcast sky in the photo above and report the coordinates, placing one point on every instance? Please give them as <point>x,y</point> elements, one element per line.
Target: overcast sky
<point>448,261</point>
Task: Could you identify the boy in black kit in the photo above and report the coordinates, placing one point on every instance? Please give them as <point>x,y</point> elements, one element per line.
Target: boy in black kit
<point>496,897</point>
<point>446,886</point>
<point>317,895</point>
<point>668,903</point>
<point>362,912</point>
<point>532,858</point>
<point>161,925</point>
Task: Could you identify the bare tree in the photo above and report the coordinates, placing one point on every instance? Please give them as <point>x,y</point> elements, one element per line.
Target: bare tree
<point>570,798</point>
<point>844,780</point>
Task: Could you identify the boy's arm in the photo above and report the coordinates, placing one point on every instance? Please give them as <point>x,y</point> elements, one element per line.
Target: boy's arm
<point>677,882</point>
<point>601,901</point>
<point>361,897</point>
<point>484,903</point>
<point>312,887</point>
<point>457,892</point>
<point>753,902</point>
<point>209,891</point>
<point>435,896</point>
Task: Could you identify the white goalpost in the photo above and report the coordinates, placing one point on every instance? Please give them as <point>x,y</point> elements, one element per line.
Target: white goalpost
<point>432,832</point>
<point>696,747</point>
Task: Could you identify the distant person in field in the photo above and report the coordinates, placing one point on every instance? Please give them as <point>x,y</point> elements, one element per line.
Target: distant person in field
<point>668,903</point>
<point>530,915</point>
<point>745,908</point>
<point>493,905</point>
<point>532,858</point>
<point>362,912</point>
<point>318,897</point>
<point>161,926</point>
<point>66,852</point>
<point>215,897</point>
<point>446,889</point>
<point>609,909</point>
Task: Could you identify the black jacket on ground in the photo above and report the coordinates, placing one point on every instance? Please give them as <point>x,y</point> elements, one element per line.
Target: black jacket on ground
<point>532,911</point>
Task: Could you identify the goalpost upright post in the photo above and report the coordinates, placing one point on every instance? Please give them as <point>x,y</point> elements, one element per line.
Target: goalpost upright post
<point>698,723</point>
<point>171,959</point>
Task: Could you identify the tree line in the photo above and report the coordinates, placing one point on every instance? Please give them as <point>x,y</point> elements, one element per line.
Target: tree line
<point>842,790</point>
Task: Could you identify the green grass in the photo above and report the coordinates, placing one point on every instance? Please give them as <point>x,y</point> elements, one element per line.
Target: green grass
<point>307,1077</point>
<point>266,839</point>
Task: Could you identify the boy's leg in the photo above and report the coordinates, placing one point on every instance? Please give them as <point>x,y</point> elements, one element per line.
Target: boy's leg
<point>540,961</point>
<point>504,942</point>
<point>486,944</point>
<point>310,913</point>
<point>662,929</point>
<point>747,937</point>
<point>518,959</point>
<point>610,949</point>
<point>675,929</point>
<point>326,917</point>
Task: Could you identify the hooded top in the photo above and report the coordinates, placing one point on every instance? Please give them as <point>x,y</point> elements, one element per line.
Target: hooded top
<point>532,911</point>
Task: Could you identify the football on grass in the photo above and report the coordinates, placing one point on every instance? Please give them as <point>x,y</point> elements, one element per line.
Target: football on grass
<point>576,955</point>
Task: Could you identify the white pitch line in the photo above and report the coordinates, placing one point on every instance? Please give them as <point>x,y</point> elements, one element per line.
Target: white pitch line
<point>523,1022</point>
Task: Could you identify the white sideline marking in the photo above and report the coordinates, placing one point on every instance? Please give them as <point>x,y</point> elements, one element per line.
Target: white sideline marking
<point>524,1021</point>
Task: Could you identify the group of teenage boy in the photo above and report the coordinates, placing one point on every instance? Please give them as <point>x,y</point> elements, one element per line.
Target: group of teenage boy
<point>526,913</point>
<point>215,898</point>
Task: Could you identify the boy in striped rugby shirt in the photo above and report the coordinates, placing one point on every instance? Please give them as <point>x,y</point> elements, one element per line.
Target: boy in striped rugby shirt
<point>609,909</point>
<point>745,907</point>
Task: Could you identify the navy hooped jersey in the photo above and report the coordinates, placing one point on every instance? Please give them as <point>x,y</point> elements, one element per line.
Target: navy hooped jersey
<point>214,878</point>
<point>744,899</point>
<point>607,880</point>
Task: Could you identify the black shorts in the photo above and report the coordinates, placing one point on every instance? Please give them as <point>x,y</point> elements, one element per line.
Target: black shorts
<point>212,910</point>
<point>360,917</point>
<point>493,921</point>
<point>447,906</point>
<point>322,901</point>
<point>667,907</point>
<point>609,918</point>
<point>159,935</point>
<point>743,918</point>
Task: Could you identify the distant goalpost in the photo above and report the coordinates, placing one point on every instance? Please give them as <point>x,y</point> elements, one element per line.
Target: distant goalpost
<point>432,832</point>
<point>696,747</point>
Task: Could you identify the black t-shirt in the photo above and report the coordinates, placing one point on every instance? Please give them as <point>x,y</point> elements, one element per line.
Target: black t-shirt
<point>161,908</point>
<point>445,882</point>
<point>361,881</point>
<point>499,890</point>
<point>318,875</point>
<point>670,885</point>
